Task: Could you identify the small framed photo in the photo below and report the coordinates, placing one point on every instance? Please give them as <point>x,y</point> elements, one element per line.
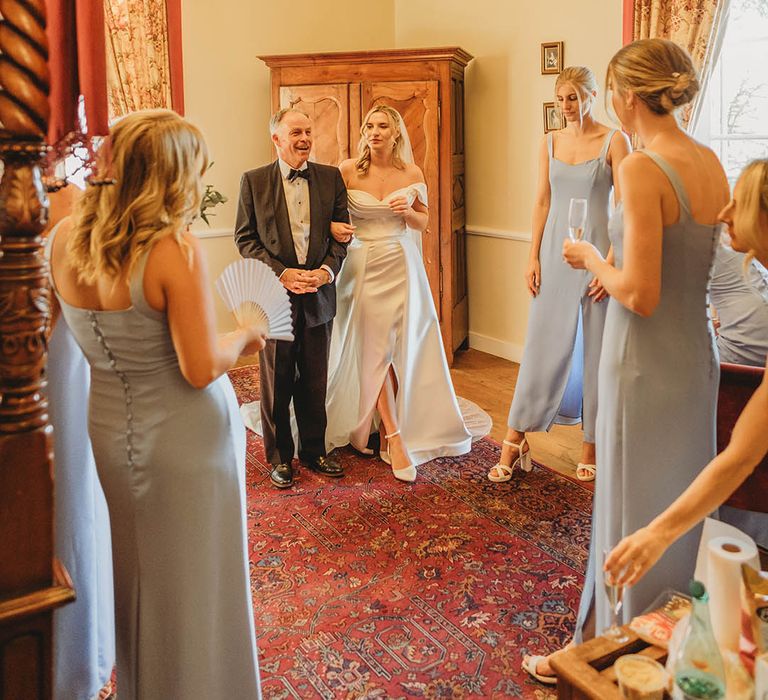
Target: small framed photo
<point>552,121</point>
<point>552,58</point>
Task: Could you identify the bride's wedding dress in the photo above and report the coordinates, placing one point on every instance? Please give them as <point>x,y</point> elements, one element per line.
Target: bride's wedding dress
<point>386,317</point>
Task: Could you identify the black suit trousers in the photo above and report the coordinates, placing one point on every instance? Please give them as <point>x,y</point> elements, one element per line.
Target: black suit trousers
<point>297,370</point>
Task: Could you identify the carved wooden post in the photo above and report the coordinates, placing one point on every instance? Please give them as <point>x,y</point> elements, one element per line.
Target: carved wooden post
<point>28,592</point>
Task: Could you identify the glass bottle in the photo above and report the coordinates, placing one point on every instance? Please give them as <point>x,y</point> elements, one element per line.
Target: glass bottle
<point>699,671</point>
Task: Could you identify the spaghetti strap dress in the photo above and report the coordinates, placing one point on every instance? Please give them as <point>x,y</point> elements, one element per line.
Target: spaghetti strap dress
<point>171,461</point>
<point>557,382</point>
<point>658,384</point>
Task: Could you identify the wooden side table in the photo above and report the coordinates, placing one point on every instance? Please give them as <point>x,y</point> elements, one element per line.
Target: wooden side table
<point>586,670</point>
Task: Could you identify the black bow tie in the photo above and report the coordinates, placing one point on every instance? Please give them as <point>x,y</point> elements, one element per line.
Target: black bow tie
<point>298,173</point>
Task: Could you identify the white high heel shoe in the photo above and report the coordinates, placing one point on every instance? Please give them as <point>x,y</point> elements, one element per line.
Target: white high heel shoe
<point>406,473</point>
<point>523,460</point>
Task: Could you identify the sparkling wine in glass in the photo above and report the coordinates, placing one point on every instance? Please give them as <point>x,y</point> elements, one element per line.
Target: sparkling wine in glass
<point>615,594</point>
<point>577,218</point>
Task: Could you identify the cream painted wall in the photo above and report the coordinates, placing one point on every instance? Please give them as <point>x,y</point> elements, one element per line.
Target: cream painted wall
<point>227,87</point>
<point>504,95</point>
<point>227,94</point>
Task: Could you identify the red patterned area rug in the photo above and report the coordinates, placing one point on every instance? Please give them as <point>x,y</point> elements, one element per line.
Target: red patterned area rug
<point>367,587</point>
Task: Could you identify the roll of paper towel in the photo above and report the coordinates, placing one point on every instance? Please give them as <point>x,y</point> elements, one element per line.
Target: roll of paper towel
<point>725,555</point>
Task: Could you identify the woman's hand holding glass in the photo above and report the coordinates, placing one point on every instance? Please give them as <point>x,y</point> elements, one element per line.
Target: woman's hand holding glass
<point>614,592</point>
<point>578,254</point>
<point>632,558</point>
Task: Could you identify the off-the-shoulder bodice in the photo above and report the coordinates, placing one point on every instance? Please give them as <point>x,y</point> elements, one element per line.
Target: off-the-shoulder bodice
<point>374,219</point>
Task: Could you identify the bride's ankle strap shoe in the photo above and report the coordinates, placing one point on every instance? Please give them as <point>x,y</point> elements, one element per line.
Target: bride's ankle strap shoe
<point>406,473</point>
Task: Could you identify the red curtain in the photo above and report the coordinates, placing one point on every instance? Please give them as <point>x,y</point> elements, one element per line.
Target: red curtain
<point>78,67</point>
<point>628,22</point>
<point>175,55</point>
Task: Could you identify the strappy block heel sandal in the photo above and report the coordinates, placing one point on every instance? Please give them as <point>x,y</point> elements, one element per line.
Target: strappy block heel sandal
<point>406,473</point>
<point>523,460</point>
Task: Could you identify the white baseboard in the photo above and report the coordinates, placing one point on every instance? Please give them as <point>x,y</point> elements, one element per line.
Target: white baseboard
<point>214,232</point>
<point>488,232</point>
<point>494,346</point>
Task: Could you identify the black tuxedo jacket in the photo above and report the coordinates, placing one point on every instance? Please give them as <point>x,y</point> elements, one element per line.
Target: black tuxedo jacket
<point>263,230</point>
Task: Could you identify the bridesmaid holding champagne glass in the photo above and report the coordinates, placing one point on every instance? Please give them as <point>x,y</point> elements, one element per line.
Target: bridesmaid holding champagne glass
<point>558,372</point>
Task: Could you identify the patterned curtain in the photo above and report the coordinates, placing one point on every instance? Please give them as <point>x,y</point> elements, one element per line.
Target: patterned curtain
<point>693,24</point>
<point>138,61</point>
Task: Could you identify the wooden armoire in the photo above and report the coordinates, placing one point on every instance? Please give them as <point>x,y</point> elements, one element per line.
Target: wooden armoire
<point>427,87</point>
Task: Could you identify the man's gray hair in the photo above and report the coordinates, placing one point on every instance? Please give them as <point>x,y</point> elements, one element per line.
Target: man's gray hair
<point>278,116</point>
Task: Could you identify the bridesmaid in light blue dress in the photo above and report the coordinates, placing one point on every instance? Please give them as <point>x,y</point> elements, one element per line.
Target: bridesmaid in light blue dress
<point>739,295</point>
<point>557,382</point>
<point>658,368</point>
<point>84,630</point>
<point>163,419</point>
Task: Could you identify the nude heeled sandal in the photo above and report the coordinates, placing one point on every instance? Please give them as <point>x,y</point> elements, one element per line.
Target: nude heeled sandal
<point>523,460</point>
<point>406,473</point>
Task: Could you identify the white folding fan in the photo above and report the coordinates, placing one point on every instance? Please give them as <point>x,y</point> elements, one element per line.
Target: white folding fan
<point>252,292</point>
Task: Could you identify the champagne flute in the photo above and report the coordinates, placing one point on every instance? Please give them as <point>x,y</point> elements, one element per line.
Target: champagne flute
<point>615,595</point>
<point>577,218</point>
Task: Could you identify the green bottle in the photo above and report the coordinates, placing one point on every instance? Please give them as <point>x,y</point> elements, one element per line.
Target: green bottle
<point>699,671</point>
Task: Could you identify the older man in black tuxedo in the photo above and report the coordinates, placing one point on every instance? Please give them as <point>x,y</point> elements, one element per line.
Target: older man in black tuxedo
<point>284,218</point>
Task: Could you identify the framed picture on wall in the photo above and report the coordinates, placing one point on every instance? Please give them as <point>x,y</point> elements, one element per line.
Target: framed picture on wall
<point>552,58</point>
<point>551,118</point>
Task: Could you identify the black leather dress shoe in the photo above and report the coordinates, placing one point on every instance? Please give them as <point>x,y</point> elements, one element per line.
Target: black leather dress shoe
<point>282,476</point>
<point>325,466</point>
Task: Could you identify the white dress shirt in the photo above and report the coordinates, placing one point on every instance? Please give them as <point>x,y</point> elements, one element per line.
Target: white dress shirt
<point>297,201</point>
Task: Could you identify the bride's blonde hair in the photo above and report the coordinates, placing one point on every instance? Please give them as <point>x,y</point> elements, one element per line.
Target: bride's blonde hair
<point>151,187</point>
<point>364,159</point>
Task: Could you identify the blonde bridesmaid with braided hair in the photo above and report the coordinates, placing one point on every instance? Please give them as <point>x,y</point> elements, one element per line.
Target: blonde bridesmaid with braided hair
<point>557,382</point>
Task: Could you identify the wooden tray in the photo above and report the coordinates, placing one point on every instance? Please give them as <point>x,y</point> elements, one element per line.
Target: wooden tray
<point>586,670</point>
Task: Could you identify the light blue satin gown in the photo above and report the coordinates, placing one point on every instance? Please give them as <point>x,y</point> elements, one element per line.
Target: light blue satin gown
<point>657,399</point>
<point>558,371</point>
<point>171,460</point>
<point>84,631</point>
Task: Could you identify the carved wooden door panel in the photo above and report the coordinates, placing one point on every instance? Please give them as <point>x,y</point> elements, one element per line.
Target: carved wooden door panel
<point>417,102</point>
<point>328,106</point>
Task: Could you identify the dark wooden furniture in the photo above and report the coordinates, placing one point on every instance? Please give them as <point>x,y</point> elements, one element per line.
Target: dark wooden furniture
<point>427,87</point>
<point>586,670</point>
<point>737,384</point>
<point>29,587</point>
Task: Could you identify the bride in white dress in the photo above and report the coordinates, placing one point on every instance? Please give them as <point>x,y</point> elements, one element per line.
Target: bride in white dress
<point>387,357</point>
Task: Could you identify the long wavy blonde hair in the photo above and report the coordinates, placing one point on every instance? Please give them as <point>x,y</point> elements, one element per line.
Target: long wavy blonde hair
<point>364,160</point>
<point>154,160</point>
